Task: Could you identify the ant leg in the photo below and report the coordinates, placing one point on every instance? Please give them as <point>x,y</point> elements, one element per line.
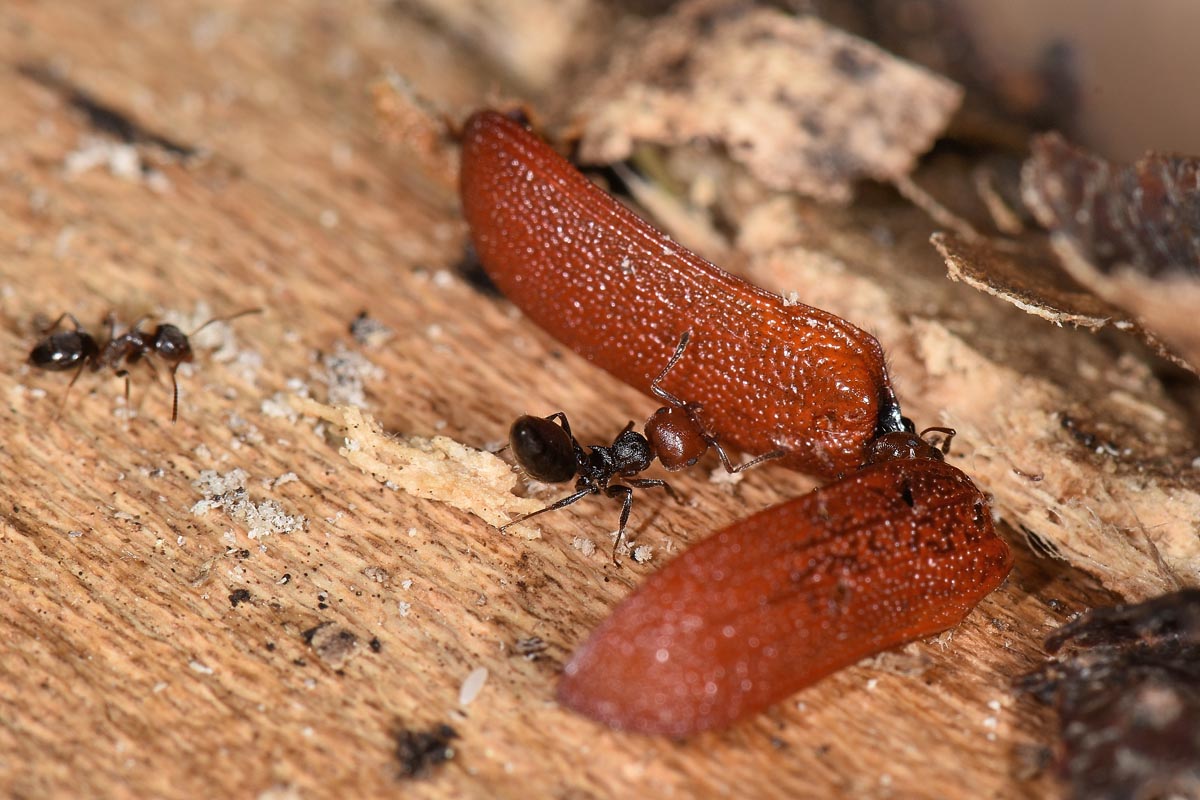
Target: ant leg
<point>655,387</point>
<point>655,483</point>
<point>63,403</point>
<point>57,322</point>
<point>563,503</point>
<point>626,506</point>
<point>175,394</point>
<point>110,319</point>
<point>693,412</point>
<point>561,419</point>
<point>124,373</point>
<point>730,467</point>
<point>149,362</point>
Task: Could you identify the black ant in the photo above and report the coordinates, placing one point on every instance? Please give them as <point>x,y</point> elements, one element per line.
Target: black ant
<point>675,434</point>
<point>75,349</point>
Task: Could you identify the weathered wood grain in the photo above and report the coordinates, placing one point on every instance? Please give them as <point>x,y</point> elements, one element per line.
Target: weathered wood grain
<point>125,668</point>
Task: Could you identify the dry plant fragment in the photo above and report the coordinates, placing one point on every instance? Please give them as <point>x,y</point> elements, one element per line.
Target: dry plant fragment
<point>1011,385</point>
<point>528,40</point>
<point>411,123</point>
<point>438,468</point>
<point>1126,517</point>
<point>1164,307</point>
<point>346,372</point>
<point>805,106</point>
<point>1131,235</point>
<point>1145,216</point>
<point>370,332</point>
<point>1127,692</point>
<point>1028,274</point>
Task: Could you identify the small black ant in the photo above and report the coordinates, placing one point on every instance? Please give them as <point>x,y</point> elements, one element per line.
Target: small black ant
<point>75,349</point>
<point>675,434</point>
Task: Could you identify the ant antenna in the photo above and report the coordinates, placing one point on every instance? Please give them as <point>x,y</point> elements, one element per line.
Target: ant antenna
<point>244,313</point>
<point>175,366</point>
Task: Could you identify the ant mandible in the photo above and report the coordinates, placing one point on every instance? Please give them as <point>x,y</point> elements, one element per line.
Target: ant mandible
<point>76,349</point>
<point>675,434</point>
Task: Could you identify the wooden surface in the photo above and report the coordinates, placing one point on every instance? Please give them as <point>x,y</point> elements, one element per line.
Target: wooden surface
<point>126,670</point>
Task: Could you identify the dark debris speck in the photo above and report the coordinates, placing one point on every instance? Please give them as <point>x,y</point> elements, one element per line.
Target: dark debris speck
<point>419,751</point>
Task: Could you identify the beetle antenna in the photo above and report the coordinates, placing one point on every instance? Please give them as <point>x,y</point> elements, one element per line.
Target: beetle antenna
<point>949,433</point>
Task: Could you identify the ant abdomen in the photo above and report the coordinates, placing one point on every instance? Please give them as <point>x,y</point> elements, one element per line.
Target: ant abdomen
<point>543,449</point>
<point>64,350</point>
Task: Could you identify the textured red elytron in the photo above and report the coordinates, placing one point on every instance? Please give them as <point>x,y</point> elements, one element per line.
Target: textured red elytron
<point>769,376</point>
<point>895,552</point>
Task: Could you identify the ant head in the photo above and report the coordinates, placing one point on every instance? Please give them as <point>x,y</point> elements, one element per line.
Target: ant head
<point>64,350</point>
<point>543,449</point>
<point>675,437</point>
<point>171,344</point>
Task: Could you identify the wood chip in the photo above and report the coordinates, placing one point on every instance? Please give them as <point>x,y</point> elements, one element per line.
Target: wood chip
<point>438,468</point>
<point>1029,275</point>
<point>804,106</point>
